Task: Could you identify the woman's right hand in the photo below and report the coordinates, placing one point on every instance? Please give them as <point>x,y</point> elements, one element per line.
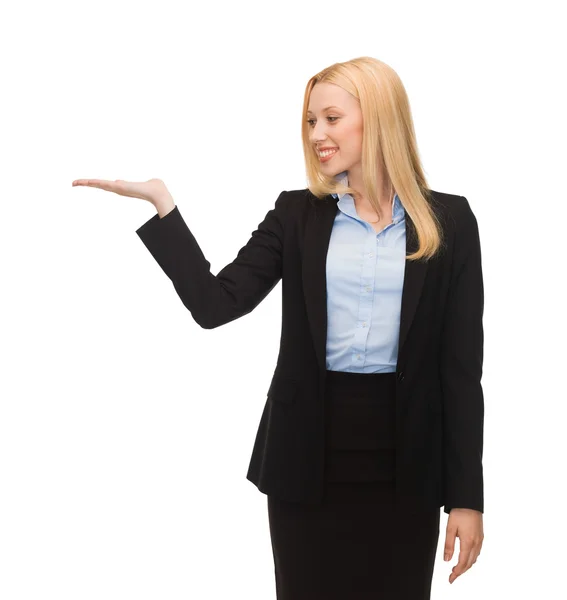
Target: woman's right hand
<point>153,190</point>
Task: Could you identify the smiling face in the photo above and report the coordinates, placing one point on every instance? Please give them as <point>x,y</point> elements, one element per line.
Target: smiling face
<point>339,127</point>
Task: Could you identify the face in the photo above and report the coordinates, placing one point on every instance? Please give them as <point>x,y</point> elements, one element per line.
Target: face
<point>339,127</point>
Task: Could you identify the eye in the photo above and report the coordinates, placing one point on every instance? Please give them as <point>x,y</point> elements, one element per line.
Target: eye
<point>309,121</point>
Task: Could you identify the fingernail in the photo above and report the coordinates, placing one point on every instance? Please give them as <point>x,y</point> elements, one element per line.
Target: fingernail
<point>446,557</point>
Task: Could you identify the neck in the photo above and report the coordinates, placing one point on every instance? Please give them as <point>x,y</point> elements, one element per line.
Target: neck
<point>384,202</point>
<point>385,195</point>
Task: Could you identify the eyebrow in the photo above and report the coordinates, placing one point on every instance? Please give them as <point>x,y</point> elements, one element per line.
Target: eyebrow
<point>326,108</point>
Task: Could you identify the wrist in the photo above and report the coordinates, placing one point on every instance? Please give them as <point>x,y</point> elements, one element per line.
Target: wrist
<point>164,205</point>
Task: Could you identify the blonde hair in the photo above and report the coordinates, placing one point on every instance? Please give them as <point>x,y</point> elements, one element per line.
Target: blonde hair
<point>388,137</point>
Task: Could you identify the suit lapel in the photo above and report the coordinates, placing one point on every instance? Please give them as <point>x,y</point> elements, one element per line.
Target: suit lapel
<point>317,236</point>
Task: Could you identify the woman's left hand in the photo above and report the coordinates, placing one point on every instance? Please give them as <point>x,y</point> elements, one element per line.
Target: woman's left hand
<point>466,524</point>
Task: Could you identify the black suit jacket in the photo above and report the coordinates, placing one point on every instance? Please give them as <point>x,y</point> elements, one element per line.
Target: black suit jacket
<point>440,406</point>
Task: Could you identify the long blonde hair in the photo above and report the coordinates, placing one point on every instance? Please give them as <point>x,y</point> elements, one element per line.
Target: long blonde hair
<point>388,137</point>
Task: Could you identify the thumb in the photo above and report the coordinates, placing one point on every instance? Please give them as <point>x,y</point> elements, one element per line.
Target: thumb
<point>449,542</point>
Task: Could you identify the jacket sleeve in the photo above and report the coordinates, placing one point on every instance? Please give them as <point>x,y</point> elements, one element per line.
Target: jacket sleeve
<point>461,370</point>
<point>239,287</point>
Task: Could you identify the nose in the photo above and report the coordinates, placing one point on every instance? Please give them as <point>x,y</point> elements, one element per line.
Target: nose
<point>317,133</point>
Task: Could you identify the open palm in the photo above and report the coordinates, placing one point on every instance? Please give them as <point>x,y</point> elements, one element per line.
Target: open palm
<point>151,190</point>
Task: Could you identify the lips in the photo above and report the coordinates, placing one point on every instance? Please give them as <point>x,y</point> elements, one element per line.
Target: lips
<point>328,157</point>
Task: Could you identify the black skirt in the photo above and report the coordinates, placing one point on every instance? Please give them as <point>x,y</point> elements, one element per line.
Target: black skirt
<point>356,545</point>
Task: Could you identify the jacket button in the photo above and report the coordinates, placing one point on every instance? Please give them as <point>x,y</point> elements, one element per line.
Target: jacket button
<point>401,376</point>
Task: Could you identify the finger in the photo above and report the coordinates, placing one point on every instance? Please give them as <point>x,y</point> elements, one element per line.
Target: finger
<point>471,560</point>
<point>475,551</point>
<point>102,184</point>
<point>460,567</point>
<point>90,182</point>
<point>449,543</point>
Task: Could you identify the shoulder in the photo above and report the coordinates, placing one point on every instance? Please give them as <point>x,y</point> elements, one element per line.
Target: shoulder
<point>461,227</point>
<point>294,197</point>
<point>297,203</point>
<point>452,205</point>
<point>455,211</point>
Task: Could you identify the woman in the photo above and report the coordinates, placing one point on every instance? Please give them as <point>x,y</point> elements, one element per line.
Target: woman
<point>374,415</point>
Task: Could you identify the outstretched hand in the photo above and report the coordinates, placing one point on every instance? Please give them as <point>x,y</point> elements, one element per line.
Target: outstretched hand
<point>467,525</point>
<point>153,190</point>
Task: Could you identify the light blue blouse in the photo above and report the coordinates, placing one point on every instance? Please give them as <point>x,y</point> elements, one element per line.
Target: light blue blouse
<point>365,276</point>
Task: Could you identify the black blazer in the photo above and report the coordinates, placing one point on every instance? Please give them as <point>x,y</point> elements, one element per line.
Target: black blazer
<point>440,405</point>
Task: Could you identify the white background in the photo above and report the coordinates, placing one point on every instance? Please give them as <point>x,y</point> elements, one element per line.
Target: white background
<point>125,428</point>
